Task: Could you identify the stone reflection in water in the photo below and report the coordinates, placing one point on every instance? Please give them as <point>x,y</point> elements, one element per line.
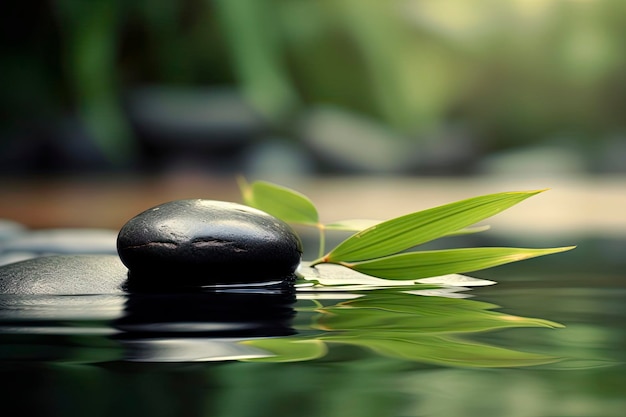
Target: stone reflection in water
<point>80,309</point>
<point>44,316</point>
<point>178,327</point>
<point>203,326</point>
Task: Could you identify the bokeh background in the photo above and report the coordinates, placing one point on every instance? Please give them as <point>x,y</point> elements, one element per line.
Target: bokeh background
<point>373,108</point>
<point>120,105</point>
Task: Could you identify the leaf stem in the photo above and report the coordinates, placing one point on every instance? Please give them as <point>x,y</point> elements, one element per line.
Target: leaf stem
<point>322,238</point>
<point>320,260</point>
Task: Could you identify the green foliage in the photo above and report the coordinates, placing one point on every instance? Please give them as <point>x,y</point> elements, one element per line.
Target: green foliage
<point>394,323</point>
<point>512,72</point>
<point>378,249</point>
<point>293,207</point>
<point>281,202</point>
<point>425,264</point>
<point>288,350</point>
<point>417,228</point>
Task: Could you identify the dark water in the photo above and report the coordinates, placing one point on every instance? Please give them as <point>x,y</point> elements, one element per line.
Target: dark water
<point>548,340</point>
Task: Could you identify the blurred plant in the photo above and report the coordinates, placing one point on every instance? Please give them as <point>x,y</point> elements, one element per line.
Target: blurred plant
<point>507,72</point>
<point>511,72</point>
<point>378,248</point>
<point>90,33</point>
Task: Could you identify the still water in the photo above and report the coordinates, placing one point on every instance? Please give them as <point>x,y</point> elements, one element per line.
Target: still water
<point>547,340</point>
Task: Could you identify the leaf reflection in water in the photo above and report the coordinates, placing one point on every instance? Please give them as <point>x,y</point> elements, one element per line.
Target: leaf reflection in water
<point>399,320</point>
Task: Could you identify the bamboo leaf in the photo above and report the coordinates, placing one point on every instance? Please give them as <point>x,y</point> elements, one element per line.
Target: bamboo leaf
<point>356,225</point>
<point>282,202</point>
<point>287,350</point>
<point>415,265</point>
<point>413,229</point>
<point>352,225</point>
<point>468,231</point>
<point>448,351</point>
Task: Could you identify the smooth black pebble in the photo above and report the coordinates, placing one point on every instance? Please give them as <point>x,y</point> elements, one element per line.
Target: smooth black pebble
<point>205,242</point>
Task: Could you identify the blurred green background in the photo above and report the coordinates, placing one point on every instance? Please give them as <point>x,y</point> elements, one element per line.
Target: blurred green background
<point>312,87</point>
<point>278,89</point>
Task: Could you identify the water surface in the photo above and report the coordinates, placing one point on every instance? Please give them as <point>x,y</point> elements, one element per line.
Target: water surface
<point>547,340</point>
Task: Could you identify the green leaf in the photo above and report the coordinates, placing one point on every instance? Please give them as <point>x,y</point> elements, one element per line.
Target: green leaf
<point>448,351</point>
<point>282,202</point>
<point>356,225</point>
<point>414,265</point>
<point>352,225</point>
<point>397,324</point>
<point>400,312</point>
<point>287,350</point>
<point>413,229</point>
<point>469,231</point>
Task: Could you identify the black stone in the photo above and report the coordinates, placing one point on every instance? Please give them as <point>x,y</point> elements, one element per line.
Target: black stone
<point>205,242</point>
<point>64,275</point>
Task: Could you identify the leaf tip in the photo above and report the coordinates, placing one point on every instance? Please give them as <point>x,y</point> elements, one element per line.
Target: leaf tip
<point>564,248</point>
<point>535,192</point>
